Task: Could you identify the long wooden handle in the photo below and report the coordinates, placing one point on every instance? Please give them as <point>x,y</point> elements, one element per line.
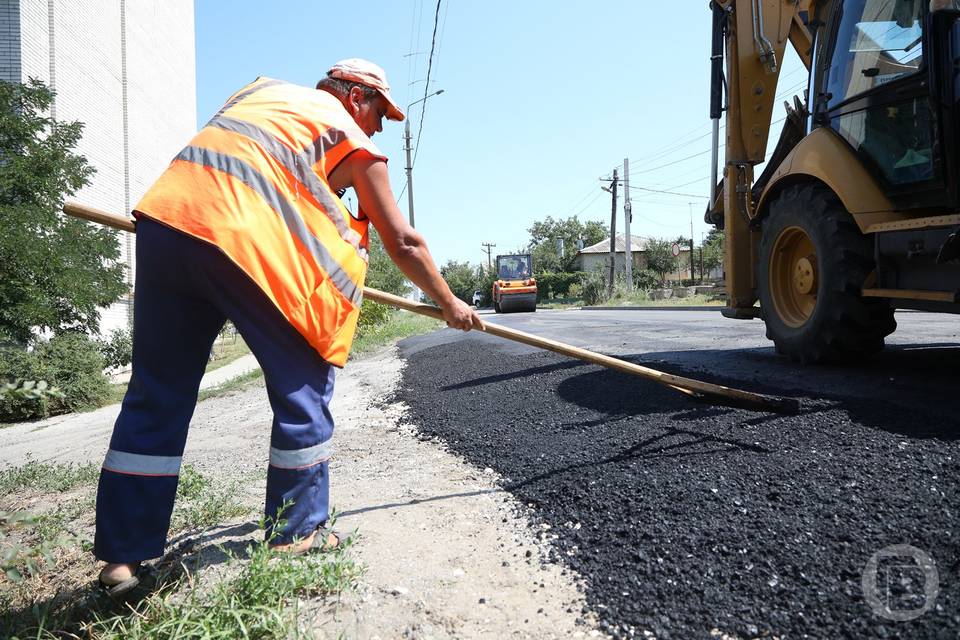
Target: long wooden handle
<point>679,383</point>
<point>688,386</point>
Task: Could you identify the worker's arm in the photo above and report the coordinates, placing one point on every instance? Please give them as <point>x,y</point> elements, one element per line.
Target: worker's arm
<point>405,246</point>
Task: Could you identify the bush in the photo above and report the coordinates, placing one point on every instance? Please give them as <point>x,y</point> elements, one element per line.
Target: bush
<point>645,280</point>
<point>117,350</point>
<point>593,286</point>
<point>372,315</point>
<point>485,284</point>
<point>554,285</point>
<point>70,361</point>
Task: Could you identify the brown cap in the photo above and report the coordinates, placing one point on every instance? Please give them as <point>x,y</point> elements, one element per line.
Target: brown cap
<point>368,74</point>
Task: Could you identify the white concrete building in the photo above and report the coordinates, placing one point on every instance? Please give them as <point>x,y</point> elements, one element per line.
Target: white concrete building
<point>126,69</point>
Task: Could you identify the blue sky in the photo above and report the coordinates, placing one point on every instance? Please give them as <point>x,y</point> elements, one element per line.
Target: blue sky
<point>540,100</point>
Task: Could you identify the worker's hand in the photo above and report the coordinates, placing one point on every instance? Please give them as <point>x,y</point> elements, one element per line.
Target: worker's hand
<point>459,315</point>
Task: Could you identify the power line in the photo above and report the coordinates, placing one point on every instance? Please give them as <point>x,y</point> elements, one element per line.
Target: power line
<point>704,152</point>
<point>426,88</point>
<point>687,184</point>
<point>672,193</point>
<point>677,146</point>
<point>589,204</point>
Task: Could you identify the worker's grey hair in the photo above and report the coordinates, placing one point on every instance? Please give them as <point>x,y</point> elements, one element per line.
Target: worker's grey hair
<point>341,88</point>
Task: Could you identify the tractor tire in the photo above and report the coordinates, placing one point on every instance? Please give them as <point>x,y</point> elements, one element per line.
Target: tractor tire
<point>813,262</point>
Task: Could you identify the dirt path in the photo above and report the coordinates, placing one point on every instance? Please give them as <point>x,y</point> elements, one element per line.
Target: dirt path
<point>447,555</point>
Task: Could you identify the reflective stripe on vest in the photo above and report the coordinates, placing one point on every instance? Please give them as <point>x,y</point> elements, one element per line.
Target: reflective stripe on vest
<point>301,167</point>
<point>255,183</point>
<point>244,93</point>
<point>258,182</point>
<point>137,464</point>
<point>300,458</point>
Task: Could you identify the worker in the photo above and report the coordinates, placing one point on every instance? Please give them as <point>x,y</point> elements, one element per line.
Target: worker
<point>246,224</point>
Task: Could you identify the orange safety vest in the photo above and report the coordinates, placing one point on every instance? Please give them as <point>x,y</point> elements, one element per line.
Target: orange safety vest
<point>253,182</point>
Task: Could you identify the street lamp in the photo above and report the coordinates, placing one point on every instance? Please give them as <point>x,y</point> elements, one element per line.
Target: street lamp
<point>407,148</point>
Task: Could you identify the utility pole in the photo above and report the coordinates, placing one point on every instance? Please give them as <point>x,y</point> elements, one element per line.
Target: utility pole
<point>408,148</point>
<point>613,231</point>
<point>488,246</point>
<point>692,276</point>
<point>415,293</point>
<point>627,215</point>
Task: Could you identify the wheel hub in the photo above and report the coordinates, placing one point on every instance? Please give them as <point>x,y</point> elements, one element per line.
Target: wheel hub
<point>804,276</point>
<point>793,276</point>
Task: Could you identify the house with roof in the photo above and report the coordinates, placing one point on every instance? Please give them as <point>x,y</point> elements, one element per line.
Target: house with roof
<point>598,256</point>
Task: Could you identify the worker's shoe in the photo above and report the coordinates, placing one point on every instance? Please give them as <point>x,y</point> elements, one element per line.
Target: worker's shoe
<point>119,579</point>
<point>322,539</point>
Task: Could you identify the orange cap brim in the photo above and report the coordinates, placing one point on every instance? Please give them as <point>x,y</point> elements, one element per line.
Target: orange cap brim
<point>393,111</point>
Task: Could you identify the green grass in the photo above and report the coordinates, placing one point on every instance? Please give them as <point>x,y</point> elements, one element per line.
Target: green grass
<point>642,299</point>
<point>262,601</point>
<point>400,324</point>
<point>203,503</point>
<point>53,546</point>
<point>48,477</point>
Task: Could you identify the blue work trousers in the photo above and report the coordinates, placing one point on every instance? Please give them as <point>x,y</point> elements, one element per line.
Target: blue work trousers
<point>185,290</point>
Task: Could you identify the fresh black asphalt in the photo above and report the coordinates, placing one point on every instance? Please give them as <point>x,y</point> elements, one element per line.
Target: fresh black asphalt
<point>685,519</point>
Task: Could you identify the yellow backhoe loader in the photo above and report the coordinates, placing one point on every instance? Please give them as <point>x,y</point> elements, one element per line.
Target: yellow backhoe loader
<point>857,211</point>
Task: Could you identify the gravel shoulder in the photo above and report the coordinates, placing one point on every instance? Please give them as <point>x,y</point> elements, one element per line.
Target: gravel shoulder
<point>447,554</point>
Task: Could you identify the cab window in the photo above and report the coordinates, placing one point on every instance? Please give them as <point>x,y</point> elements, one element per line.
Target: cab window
<point>877,41</point>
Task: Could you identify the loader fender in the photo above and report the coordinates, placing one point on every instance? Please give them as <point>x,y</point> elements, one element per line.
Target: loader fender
<point>824,157</point>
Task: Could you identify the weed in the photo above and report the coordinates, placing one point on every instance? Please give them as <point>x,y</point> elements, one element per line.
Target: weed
<point>57,526</point>
<point>262,601</point>
<point>192,484</point>
<point>47,477</point>
<point>210,508</point>
<point>49,556</point>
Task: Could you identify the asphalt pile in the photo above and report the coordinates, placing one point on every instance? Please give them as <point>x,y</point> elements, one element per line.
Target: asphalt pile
<point>685,519</point>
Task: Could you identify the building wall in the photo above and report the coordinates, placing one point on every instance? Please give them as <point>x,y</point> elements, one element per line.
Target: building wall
<point>126,70</point>
<point>593,261</point>
<point>10,40</point>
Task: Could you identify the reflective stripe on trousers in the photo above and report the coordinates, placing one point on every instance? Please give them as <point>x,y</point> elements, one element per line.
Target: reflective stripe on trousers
<point>140,465</point>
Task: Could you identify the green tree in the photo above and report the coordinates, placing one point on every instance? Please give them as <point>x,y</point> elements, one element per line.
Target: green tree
<point>382,273</point>
<point>545,234</point>
<point>55,271</point>
<point>461,278</point>
<point>713,250</point>
<point>660,257</point>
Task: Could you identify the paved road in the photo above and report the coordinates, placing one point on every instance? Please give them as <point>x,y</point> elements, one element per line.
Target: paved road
<point>683,518</point>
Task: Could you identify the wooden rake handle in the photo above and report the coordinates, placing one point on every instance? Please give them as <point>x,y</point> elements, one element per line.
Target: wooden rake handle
<point>694,388</point>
